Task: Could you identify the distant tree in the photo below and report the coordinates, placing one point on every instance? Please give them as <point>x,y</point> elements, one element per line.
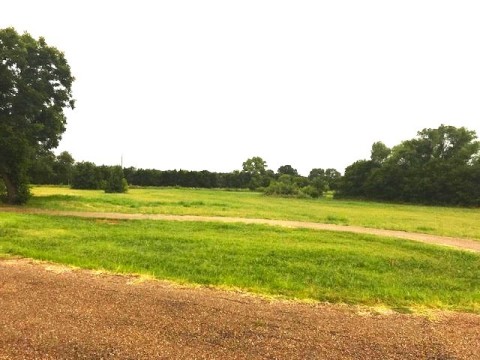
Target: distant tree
<point>446,142</point>
<point>63,168</point>
<point>35,87</point>
<point>256,168</point>
<point>129,173</point>
<point>332,177</point>
<point>42,168</point>
<point>287,170</point>
<point>355,178</point>
<point>318,180</point>
<point>103,173</point>
<point>324,180</point>
<point>379,152</point>
<point>86,175</point>
<point>116,182</point>
<point>235,180</point>
<point>316,173</point>
<point>46,168</point>
<point>301,181</point>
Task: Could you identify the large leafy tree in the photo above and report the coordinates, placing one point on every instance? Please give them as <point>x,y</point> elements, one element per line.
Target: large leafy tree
<point>333,178</point>
<point>435,167</point>
<point>35,88</point>
<point>256,168</point>
<point>438,166</point>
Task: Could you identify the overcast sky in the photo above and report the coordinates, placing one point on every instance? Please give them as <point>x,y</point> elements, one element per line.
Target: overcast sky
<point>207,84</point>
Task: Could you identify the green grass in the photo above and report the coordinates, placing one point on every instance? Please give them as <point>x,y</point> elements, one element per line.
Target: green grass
<point>459,222</point>
<point>291,263</point>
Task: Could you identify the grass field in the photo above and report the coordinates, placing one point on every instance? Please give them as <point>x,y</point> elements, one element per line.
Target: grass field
<point>302,264</point>
<point>459,222</point>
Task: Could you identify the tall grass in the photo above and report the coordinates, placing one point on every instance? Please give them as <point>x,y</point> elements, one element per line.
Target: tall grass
<point>303,264</point>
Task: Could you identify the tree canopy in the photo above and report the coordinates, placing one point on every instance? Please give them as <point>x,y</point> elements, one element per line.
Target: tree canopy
<point>35,88</point>
<point>438,166</point>
<point>256,169</point>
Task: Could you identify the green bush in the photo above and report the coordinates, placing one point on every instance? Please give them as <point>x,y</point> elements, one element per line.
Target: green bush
<point>284,186</point>
<point>295,186</point>
<point>116,182</point>
<point>311,191</point>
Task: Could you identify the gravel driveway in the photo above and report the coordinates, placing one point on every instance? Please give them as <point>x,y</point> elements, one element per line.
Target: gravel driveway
<point>53,312</point>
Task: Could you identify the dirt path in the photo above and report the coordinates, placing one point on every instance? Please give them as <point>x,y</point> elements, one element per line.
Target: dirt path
<point>464,244</point>
<point>54,312</point>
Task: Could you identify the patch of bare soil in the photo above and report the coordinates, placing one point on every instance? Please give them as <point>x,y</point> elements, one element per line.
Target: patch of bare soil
<point>55,312</point>
<point>459,243</point>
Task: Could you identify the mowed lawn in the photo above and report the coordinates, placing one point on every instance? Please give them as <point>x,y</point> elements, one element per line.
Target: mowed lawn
<point>289,263</point>
<point>449,221</point>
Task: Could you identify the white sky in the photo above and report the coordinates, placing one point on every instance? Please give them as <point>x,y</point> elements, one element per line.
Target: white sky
<point>207,84</point>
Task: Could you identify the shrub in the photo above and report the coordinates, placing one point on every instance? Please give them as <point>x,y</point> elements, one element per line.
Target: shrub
<point>116,182</point>
<point>311,191</point>
<point>284,186</point>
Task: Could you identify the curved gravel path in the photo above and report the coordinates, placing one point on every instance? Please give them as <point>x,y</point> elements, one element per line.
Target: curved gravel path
<point>459,243</point>
<point>55,312</point>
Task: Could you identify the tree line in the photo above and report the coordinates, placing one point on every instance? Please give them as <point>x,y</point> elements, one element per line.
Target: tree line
<point>439,166</point>
<point>47,168</point>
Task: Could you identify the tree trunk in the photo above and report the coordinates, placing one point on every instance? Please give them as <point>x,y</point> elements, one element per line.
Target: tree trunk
<point>11,190</point>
